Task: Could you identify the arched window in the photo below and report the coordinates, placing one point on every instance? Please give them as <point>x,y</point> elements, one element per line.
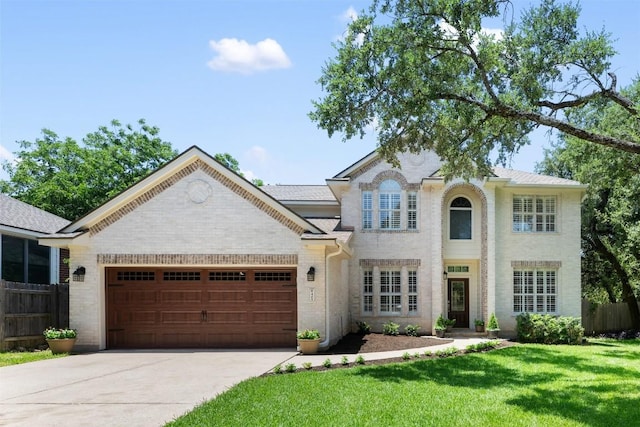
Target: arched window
<point>460,219</point>
<point>389,205</point>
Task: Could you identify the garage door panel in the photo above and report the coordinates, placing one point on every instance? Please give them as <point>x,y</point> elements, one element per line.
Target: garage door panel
<point>189,308</point>
<point>223,296</point>
<point>228,317</point>
<point>181,296</point>
<point>181,317</point>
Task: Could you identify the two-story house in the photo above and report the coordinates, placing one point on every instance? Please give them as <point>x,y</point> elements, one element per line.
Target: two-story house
<point>196,256</point>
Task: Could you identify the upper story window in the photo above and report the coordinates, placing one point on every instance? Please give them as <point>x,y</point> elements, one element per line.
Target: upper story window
<point>389,208</point>
<point>460,219</point>
<point>412,210</point>
<point>367,209</point>
<point>534,214</point>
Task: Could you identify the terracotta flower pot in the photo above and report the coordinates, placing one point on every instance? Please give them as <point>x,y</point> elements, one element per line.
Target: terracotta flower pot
<point>309,346</point>
<point>479,328</point>
<point>63,345</point>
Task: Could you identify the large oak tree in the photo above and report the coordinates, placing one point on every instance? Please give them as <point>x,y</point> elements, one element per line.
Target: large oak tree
<point>426,75</point>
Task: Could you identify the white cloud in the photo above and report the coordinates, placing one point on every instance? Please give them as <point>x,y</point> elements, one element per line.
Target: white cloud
<point>6,154</point>
<point>257,154</point>
<point>238,56</point>
<point>349,15</point>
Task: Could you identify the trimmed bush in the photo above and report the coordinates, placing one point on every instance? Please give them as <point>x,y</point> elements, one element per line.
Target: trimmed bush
<point>390,328</point>
<point>548,329</point>
<point>412,330</point>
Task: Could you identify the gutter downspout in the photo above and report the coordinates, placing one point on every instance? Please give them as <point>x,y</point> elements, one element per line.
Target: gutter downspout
<point>327,326</point>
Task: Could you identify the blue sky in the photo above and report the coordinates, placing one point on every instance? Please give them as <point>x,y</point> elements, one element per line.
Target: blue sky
<point>228,76</point>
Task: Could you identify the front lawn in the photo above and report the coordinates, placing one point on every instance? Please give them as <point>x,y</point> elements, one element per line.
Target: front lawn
<point>17,357</point>
<point>526,385</point>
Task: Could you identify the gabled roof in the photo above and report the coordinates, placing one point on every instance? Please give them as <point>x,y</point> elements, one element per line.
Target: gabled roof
<point>183,165</point>
<point>366,162</point>
<point>527,178</point>
<point>304,193</point>
<point>20,215</point>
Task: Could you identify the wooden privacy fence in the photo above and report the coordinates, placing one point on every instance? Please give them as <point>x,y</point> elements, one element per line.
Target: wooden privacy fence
<point>27,309</point>
<point>597,319</point>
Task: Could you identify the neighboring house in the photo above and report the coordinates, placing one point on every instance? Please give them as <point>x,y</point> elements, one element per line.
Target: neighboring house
<point>196,256</point>
<point>22,259</point>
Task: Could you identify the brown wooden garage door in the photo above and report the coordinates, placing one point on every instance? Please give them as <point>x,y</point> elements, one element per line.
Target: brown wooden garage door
<point>174,308</point>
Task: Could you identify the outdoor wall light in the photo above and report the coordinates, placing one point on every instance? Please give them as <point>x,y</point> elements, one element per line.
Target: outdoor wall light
<point>311,274</point>
<point>78,275</point>
<point>445,275</point>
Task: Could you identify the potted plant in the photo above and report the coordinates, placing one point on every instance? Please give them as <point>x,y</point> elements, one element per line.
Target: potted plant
<point>492,327</point>
<point>479,325</point>
<point>450,323</point>
<point>440,326</point>
<point>60,340</point>
<point>308,341</point>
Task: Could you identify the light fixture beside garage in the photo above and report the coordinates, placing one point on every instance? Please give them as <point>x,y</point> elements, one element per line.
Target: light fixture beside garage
<point>311,274</point>
<point>78,274</point>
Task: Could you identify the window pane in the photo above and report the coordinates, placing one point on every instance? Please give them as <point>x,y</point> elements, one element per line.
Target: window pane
<point>460,225</point>
<point>39,263</point>
<point>13,261</point>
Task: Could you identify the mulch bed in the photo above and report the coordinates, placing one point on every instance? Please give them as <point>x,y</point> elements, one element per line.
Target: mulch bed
<point>371,343</point>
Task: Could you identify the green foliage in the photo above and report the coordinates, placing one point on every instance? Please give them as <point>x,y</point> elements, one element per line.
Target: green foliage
<point>446,352</point>
<point>307,365</point>
<point>406,355</point>
<point>493,323</point>
<point>344,361</point>
<point>479,322</point>
<point>450,322</point>
<point>230,162</point>
<point>290,367</point>
<point>441,324</point>
<point>611,209</point>
<point>390,328</point>
<point>363,327</point>
<point>327,363</point>
<point>18,357</point>
<point>59,333</point>
<point>548,329</point>
<point>359,360</point>
<point>277,369</point>
<point>428,77</point>
<point>485,345</point>
<point>308,334</point>
<point>70,179</point>
<point>412,330</point>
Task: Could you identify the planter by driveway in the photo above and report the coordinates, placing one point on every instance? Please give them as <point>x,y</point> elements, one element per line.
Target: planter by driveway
<point>118,388</point>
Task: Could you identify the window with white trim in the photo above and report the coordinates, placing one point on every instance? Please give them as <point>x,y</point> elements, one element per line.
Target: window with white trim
<point>535,291</point>
<point>367,291</point>
<point>413,291</point>
<point>412,210</point>
<point>534,214</point>
<point>367,209</point>
<point>389,207</point>
<point>460,219</point>
<point>390,292</point>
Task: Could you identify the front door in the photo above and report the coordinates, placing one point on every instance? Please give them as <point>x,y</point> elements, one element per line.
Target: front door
<point>458,302</point>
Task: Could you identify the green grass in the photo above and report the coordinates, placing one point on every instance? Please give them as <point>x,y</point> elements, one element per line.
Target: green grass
<point>16,358</point>
<point>526,385</point>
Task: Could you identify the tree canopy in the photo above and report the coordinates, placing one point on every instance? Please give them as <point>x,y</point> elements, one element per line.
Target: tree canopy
<point>611,209</point>
<point>427,75</point>
<point>70,179</point>
<point>232,163</point>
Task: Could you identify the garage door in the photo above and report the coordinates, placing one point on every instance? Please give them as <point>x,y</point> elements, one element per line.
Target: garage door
<point>204,308</point>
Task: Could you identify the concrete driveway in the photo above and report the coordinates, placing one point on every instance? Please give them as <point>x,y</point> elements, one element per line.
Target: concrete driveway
<point>118,388</point>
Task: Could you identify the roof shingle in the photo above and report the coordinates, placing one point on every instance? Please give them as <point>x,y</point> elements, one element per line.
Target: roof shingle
<point>17,214</point>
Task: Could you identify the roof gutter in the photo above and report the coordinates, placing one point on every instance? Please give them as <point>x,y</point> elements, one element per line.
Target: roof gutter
<point>327,302</point>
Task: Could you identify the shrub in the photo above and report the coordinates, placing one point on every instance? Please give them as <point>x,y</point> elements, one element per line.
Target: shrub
<point>406,355</point>
<point>326,363</point>
<point>277,369</point>
<point>412,330</point>
<point>307,365</point>
<point>493,323</point>
<point>344,360</point>
<point>441,324</point>
<point>390,328</point>
<point>360,360</point>
<point>290,367</point>
<point>363,328</point>
<point>308,334</point>
<point>548,329</point>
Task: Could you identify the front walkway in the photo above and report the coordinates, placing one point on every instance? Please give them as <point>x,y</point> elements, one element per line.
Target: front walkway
<point>318,359</point>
